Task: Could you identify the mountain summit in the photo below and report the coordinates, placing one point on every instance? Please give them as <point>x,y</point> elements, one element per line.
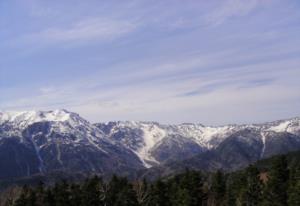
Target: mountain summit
<point>44,141</point>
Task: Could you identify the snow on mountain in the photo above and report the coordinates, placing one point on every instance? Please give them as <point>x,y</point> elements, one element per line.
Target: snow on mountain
<point>62,121</point>
<point>152,134</point>
<point>139,137</point>
<point>207,137</point>
<point>143,138</point>
<point>151,143</point>
<point>21,120</point>
<point>26,118</point>
<point>44,141</point>
<point>290,125</point>
<point>71,128</point>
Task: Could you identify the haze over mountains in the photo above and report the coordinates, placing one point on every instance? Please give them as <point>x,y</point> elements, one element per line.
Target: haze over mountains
<point>36,142</point>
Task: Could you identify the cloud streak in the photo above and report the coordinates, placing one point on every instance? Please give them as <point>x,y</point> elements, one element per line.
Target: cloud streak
<point>153,96</point>
<point>88,30</point>
<point>233,8</point>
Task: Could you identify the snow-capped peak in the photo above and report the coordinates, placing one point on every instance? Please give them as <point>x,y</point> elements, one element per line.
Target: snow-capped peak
<point>144,137</point>
<point>289,125</point>
<point>62,122</point>
<point>23,119</point>
<point>35,116</point>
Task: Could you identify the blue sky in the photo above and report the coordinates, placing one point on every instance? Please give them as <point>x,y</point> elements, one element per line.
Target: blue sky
<point>211,62</point>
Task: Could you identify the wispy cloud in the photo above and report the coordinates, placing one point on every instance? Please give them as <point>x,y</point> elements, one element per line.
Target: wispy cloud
<point>84,31</point>
<point>150,96</point>
<point>233,8</point>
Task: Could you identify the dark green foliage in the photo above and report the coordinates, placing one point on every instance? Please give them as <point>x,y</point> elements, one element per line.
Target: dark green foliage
<point>120,193</point>
<point>234,187</point>
<point>22,200</point>
<point>253,187</point>
<point>276,192</point>
<point>294,187</point>
<point>294,196</point>
<point>141,189</point>
<point>49,199</point>
<point>280,187</point>
<point>77,196</point>
<point>218,188</point>
<point>90,194</point>
<point>62,194</point>
<point>32,198</point>
<point>159,194</point>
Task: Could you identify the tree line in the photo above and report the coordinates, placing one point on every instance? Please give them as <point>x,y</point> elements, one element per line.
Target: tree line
<point>277,186</point>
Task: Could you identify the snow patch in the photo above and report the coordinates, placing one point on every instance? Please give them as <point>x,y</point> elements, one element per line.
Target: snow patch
<point>25,118</point>
<point>282,127</point>
<point>37,151</point>
<point>263,138</point>
<point>152,135</point>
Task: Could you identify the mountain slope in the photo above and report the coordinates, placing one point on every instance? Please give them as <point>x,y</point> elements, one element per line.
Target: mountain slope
<point>235,152</point>
<point>41,142</point>
<point>157,144</point>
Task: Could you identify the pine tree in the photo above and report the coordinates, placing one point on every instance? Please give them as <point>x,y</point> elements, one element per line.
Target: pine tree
<point>183,198</point>
<point>21,201</point>
<point>91,192</point>
<point>218,188</point>
<point>49,199</point>
<point>159,194</point>
<point>142,192</point>
<point>230,198</point>
<point>237,184</point>
<point>191,188</point>
<point>294,190</point>
<point>76,195</point>
<point>277,185</point>
<point>40,193</point>
<point>120,193</point>
<point>62,194</point>
<point>32,198</point>
<point>253,187</point>
<point>294,196</point>
<point>242,197</point>
<point>23,198</point>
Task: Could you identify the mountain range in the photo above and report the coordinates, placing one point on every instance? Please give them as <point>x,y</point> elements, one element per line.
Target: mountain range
<point>41,142</point>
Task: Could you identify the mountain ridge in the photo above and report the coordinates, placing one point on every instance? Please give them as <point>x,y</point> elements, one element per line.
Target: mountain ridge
<point>43,141</point>
<point>67,112</point>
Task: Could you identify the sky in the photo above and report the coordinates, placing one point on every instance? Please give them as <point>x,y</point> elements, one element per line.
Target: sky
<point>211,62</point>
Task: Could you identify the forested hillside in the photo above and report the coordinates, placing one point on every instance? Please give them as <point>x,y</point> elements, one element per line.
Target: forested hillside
<point>275,181</point>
